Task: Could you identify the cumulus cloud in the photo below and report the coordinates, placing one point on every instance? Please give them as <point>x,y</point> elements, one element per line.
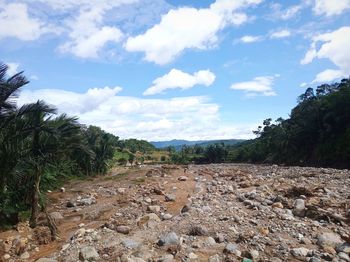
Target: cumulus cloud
<point>261,85</point>
<point>87,33</point>
<point>331,7</point>
<point>12,68</point>
<point>329,75</point>
<point>179,79</point>
<point>16,22</point>
<point>280,34</point>
<point>187,27</point>
<point>193,117</point>
<point>250,39</point>
<point>334,46</point>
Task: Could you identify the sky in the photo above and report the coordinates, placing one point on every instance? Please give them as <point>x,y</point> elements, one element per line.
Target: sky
<point>174,69</point>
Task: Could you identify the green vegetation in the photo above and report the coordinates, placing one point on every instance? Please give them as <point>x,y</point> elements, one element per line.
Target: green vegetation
<point>317,133</point>
<point>39,150</point>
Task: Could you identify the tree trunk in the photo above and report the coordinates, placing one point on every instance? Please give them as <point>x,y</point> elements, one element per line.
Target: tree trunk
<point>35,201</point>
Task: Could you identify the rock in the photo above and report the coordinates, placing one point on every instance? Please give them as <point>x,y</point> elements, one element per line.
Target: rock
<point>62,189</point>
<point>198,231</point>
<point>185,209</point>
<point>329,250</point>
<point>305,241</point>
<point>170,197</point>
<point>121,190</point>
<point>166,258</point>
<point>25,255</point>
<point>130,243</point>
<point>6,257</point>
<point>220,238</point>
<point>154,209</point>
<point>329,239</point>
<point>123,229</point>
<point>231,248</point>
<point>344,256</point>
<point>168,239</point>
<point>167,216</point>
<point>46,260</point>
<point>88,201</point>
<point>192,256</point>
<point>209,241</point>
<point>345,248</point>
<point>299,252</point>
<point>70,204</point>
<point>299,207</point>
<point>57,216</point>
<point>88,254</point>
<point>183,178</point>
<point>277,205</point>
<point>254,254</point>
<point>215,258</point>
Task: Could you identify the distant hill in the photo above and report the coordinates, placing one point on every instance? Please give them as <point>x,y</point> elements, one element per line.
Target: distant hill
<point>179,143</point>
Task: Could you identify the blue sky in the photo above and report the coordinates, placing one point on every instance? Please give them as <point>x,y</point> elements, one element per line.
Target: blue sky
<point>174,69</point>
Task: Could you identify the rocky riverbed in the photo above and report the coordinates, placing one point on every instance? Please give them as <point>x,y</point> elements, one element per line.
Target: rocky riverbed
<point>194,213</point>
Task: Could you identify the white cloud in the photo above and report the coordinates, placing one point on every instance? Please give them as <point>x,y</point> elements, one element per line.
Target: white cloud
<point>12,68</point>
<point>152,119</point>
<point>187,27</point>
<point>250,39</point>
<point>34,77</point>
<point>261,85</point>
<point>285,14</point>
<point>16,22</point>
<point>334,46</point>
<point>87,33</point>
<point>331,7</point>
<point>303,84</point>
<point>178,79</point>
<point>69,101</point>
<point>89,45</point>
<point>329,75</point>
<point>280,34</point>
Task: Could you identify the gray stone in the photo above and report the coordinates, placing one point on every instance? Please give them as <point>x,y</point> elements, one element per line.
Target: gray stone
<point>56,216</point>
<point>344,256</point>
<point>329,239</point>
<point>154,209</point>
<point>183,178</point>
<point>299,252</point>
<point>215,258</point>
<point>46,260</point>
<point>170,197</point>
<point>130,243</point>
<point>232,249</point>
<point>89,254</point>
<point>299,207</point>
<point>123,229</point>
<point>167,216</point>
<point>345,247</point>
<point>168,239</point>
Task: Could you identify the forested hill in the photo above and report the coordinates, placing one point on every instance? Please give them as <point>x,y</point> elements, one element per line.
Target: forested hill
<point>178,144</point>
<point>317,132</point>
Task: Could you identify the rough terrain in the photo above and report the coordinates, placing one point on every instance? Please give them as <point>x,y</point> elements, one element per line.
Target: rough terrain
<point>195,213</point>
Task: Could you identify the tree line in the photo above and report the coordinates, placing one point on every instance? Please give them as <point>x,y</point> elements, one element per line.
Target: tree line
<point>317,133</point>
<point>39,149</point>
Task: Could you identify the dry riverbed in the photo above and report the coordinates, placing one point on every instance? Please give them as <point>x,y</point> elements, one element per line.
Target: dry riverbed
<point>195,213</point>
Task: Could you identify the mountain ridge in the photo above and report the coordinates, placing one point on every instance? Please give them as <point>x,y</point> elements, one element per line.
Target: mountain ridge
<point>178,143</point>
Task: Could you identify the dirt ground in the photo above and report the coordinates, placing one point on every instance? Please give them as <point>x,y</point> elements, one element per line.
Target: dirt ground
<point>217,213</point>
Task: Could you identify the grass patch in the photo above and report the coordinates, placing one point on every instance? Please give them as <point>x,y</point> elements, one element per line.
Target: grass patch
<point>139,180</point>
<point>116,177</point>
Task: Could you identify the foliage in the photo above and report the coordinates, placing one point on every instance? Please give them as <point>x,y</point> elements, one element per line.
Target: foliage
<point>317,132</point>
<point>40,150</point>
